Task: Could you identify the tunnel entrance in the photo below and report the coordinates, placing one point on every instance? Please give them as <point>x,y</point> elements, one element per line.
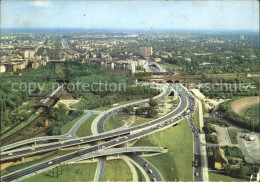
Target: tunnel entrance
<point>169,81</point>
<point>177,81</point>
<point>172,93</point>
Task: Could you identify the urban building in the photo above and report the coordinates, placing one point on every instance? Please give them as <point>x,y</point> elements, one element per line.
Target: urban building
<point>146,51</point>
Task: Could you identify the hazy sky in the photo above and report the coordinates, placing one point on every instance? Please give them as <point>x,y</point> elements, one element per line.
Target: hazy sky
<point>221,15</point>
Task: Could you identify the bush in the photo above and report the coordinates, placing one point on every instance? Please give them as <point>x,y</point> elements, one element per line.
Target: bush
<point>233,152</point>
<point>216,121</point>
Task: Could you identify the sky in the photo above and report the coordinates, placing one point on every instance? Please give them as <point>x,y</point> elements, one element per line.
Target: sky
<point>145,15</point>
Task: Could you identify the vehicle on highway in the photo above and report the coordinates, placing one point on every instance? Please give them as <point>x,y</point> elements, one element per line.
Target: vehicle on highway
<point>150,171</point>
<point>196,174</point>
<point>10,153</point>
<point>82,140</point>
<point>32,148</point>
<point>146,164</point>
<point>153,179</point>
<point>49,162</point>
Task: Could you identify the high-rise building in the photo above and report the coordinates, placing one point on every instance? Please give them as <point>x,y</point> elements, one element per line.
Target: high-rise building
<point>146,51</point>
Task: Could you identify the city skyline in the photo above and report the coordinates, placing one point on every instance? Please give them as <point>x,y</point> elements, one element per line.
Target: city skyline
<point>131,15</point>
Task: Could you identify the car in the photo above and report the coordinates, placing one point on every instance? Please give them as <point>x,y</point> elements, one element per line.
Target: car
<point>32,148</point>
<point>103,146</point>
<point>196,153</point>
<point>49,162</point>
<point>146,164</point>
<point>117,140</point>
<point>196,174</point>
<point>10,153</point>
<point>153,179</point>
<point>82,140</point>
<point>150,171</point>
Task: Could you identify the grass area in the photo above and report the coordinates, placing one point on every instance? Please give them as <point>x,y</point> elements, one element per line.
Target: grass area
<point>104,108</point>
<point>82,104</point>
<point>119,120</point>
<point>177,163</point>
<point>19,126</point>
<point>66,128</point>
<point>218,176</point>
<point>37,160</point>
<point>140,174</point>
<point>169,67</point>
<point>233,136</point>
<point>71,172</point>
<point>196,117</point>
<point>117,170</point>
<point>253,113</point>
<point>85,128</point>
<point>79,105</point>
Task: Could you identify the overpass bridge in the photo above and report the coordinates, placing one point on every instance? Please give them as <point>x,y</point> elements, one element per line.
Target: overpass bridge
<point>30,171</point>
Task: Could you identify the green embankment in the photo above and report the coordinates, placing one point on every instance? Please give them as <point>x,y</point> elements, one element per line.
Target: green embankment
<point>71,172</point>
<point>196,117</point>
<point>117,170</point>
<point>85,128</point>
<point>20,126</point>
<point>177,163</point>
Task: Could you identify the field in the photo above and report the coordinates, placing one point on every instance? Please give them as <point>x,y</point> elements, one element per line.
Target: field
<point>85,128</point>
<point>253,113</point>
<point>66,128</point>
<point>240,105</point>
<point>177,163</point>
<point>71,172</point>
<point>169,67</point>
<point>117,170</point>
<point>233,136</point>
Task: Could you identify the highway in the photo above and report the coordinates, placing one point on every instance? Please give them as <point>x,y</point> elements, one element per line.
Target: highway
<point>97,152</point>
<point>101,129</point>
<point>151,171</point>
<point>197,159</point>
<point>135,133</point>
<point>84,140</point>
<point>67,136</point>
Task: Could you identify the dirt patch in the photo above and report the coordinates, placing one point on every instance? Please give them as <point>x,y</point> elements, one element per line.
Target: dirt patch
<point>240,105</point>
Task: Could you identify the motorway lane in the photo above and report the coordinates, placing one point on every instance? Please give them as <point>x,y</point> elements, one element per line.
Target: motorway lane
<point>32,140</point>
<point>106,145</point>
<point>155,175</point>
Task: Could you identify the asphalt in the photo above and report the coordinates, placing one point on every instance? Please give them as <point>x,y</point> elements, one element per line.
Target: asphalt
<point>151,171</point>
<point>147,128</point>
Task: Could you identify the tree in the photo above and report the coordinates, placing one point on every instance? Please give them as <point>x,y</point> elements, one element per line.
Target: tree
<point>152,112</point>
<point>153,103</point>
<point>227,169</point>
<point>128,109</point>
<point>140,111</point>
